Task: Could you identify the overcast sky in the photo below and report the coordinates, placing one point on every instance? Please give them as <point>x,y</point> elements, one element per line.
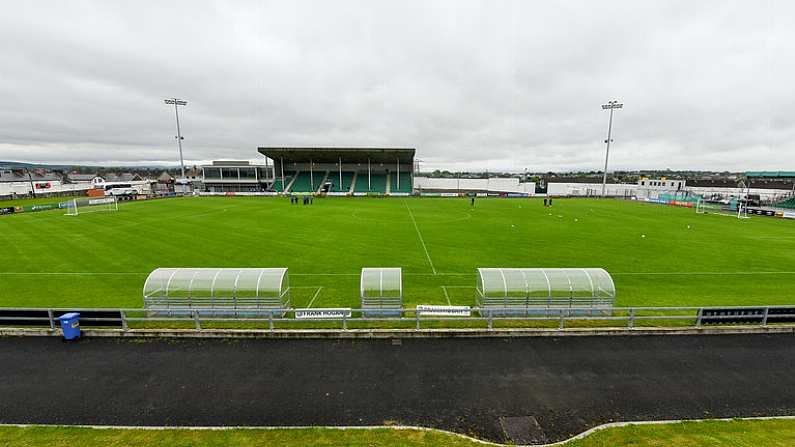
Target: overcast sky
<point>492,85</point>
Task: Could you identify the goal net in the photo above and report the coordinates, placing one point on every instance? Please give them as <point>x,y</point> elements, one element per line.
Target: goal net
<point>76,207</point>
<point>732,208</point>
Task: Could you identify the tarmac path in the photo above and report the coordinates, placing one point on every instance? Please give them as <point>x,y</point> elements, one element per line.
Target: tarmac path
<point>534,389</point>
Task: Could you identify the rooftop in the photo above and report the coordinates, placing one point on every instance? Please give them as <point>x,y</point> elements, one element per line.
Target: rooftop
<point>770,174</point>
<point>334,154</point>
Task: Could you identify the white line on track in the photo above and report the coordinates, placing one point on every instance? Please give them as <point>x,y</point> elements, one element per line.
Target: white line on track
<point>447,296</point>
<point>312,301</point>
<point>422,241</point>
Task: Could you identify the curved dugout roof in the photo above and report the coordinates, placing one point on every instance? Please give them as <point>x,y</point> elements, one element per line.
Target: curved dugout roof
<point>381,283</point>
<point>545,283</point>
<point>216,283</point>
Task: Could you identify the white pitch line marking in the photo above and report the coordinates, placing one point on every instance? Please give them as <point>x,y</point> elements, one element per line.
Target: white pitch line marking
<point>317,292</point>
<point>404,274</point>
<point>449,303</point>
<point>422,241</point>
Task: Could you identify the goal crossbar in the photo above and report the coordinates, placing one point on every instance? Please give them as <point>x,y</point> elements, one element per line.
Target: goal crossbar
<point>707,207</point>
<point>76,207</point>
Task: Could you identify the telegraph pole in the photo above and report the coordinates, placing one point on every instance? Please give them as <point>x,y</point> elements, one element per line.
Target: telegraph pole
<point>611,105</point>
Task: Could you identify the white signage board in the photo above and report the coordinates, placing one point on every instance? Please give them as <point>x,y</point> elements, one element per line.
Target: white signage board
<point>426,310</point>
<point>322,314</point>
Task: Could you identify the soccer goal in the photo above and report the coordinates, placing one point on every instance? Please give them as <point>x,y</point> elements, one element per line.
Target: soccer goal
<point>735,208</point>
<point>76,207</point>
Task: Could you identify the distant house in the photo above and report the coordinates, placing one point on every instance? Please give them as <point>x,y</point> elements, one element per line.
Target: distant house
<point>165,177</point>
<point>165,183</point>
<point>22,181</point>
<point>122,177</point>
<point>21,175</point>
<point>74,177</point>
<point>193,174</point>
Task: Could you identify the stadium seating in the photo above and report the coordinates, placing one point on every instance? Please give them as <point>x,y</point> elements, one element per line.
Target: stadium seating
<point>334,178</point>
<point>277,184</point>
<point>377,183</point>
<point>789,203</point>
<point>405,183</point>
<point>303,183</point>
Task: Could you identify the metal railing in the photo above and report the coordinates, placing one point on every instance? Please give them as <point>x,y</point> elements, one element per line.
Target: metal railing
<point>619,317</point>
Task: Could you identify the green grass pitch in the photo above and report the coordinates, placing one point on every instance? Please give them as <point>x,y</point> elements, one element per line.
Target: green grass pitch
<point>685,259</point>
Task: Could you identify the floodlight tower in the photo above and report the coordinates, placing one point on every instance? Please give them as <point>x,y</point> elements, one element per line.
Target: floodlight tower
<point>178,102</point>
<point>611,105</point>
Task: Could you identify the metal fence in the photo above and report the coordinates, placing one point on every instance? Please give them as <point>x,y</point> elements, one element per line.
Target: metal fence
<point>623,317</point>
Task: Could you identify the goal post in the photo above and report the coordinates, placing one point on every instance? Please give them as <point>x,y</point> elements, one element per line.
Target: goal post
<point>722,209</point>
<point>707,207</point>
<point>71,208</point>
<point>76,207</point>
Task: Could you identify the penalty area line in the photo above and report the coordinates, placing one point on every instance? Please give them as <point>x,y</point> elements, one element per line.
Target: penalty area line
<point>317,292</point>
<point>447,296</point>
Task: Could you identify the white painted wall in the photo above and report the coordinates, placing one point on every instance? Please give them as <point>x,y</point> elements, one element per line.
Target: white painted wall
<point>585,189</point>
<point>510,185</point>
<point>632,189</point>
<point>23,188</point>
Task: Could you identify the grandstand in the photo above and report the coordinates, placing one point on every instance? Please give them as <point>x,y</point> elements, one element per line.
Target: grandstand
<point>340,171</point>
<point>339,182</point>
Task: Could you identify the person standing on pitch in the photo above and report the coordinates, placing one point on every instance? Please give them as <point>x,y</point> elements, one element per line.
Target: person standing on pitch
<point>473,201</point>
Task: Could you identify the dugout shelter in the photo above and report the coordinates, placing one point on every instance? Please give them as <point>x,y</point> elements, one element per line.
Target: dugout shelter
<point>381,291</point>
<point>217,291</point>
<point>523,291</point>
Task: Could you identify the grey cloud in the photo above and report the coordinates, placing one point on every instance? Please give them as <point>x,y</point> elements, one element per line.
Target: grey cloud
<point>493,85</point>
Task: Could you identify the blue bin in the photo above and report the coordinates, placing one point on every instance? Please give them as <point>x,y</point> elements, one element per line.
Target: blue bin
<point>70,323</point>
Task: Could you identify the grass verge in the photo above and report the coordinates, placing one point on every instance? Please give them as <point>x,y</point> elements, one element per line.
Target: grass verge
<point>741,433</point>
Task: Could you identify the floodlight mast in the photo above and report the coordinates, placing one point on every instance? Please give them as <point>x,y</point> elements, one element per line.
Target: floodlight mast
<point>178,102</point>
<point>611,105</point>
